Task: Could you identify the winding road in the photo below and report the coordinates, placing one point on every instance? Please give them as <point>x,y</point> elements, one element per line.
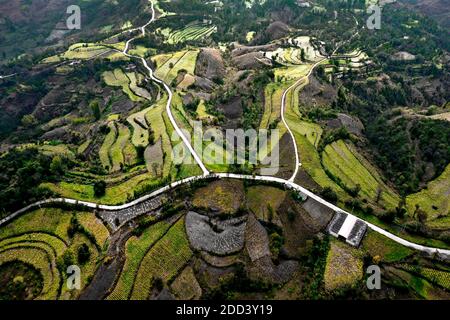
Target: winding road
<point>443,253</point>
<point>169,93</point>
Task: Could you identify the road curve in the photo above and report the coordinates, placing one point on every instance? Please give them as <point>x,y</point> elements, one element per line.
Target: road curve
<point>283,108</point>
<point>443,253</point>
<point>169,92</point>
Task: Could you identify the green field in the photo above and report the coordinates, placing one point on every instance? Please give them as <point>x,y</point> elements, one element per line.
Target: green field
<point>140,127</point>
<point>117,194</point>
<point>118,78</point>
<point>291,72</point>
<point>121,151</point>
<point>82,51</point>
<point>106,146</point>
<point>272,107</point>
<point>436,194</point>
<point>164,260</point>
<point>41,239</point>
<point>345,163</point>
<point>167,70</point>
<point>388,250</point>
<point>310,159</point>
<point>136,249</point>
<point>189,33</point>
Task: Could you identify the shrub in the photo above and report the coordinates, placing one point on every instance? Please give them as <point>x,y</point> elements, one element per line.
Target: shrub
<point>83,253</point>
<point>99,189</point>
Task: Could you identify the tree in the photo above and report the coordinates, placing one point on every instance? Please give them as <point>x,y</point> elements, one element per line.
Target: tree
<point>422,216</point>
<point>95,107</point>
<point>302,55</point>
<point>83,253</point>
<point>29,121</point>
<point>57,166</point>
<point>329,195</point>
<point>99,188</point>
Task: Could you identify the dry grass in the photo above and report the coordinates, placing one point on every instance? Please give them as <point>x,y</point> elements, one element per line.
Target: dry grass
<point>344,266</point>
<point>185,286</point>
<point>224,195</point>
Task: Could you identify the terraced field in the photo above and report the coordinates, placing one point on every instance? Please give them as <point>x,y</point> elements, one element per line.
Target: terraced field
<point>387,250</point>
<point>272,108</point>
<point>136,249</point>
<point>311,162</point>
<point>434,200</point>
<point>345,163</point>
<point>164,260</point>
<point>264,201</point>
<point>128,83</point>
<point>289,73</point>
<point>344,266</point>
<point>106,146</point>
<point>167,69</point>
<point>189,33</point>
<point>115,194</point>
<point>155,117</point>
<point>41,238</point>
<point>82,51</point>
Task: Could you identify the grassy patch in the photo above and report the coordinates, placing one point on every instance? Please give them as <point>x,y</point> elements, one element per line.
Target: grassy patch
<point>344,266</point>
<point>434,200</point>
<point>388,250</point>
<point>136,249</point>
<point>118,78</point>
<point>117,194</point>
<point>264,201</point>
<point>343,161</point>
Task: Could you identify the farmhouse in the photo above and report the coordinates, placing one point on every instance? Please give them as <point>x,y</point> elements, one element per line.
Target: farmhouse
<point>347,227</point>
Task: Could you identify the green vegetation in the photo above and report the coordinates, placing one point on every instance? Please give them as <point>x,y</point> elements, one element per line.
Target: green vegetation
<point>433,200</point>
<point>118,78</point>
<point>351,170</point>
<point>116,194</point>
<point>189,33</point>
<point>136,249</point>
<point>106,146</point>
<point>386,249</point>
<point>169,69</point>
<point>19,281</point>
<point>50,240</point>
<point>163,261</point>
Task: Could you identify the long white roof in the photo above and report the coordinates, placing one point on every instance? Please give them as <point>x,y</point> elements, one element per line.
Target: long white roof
<point>347,227</point>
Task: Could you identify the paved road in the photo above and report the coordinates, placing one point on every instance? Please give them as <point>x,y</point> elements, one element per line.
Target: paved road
<point>289,183</point>
<point>429,250</point>
<point>283,108</point>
